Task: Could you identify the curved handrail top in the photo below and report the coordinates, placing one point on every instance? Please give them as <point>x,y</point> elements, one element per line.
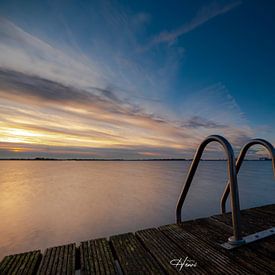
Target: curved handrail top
<point>242,154</point>
<point>231,167</point>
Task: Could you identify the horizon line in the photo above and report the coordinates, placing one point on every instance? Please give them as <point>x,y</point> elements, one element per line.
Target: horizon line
<point>121,159</point>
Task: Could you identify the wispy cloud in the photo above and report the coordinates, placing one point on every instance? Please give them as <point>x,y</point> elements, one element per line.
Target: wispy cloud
<point>107,66</point>
<point>109,101</point>
<point>33,109</point>
<point>21,51</point>
<point>200,122</point>
<point>204,14</point>
<point>91,113</point>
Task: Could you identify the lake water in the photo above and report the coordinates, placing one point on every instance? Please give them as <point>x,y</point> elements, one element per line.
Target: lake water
<point>47,203</point>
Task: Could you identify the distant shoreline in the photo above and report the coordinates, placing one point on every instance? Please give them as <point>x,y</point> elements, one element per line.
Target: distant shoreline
<point>73,159</point>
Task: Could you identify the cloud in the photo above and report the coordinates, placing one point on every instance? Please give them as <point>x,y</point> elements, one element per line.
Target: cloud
<point>35,86</point>
<point>197,122</point>
<point>205,14</point>
<point>213,103</point>
<point>88,118</point>
<point>21,51</point>
<point>39,111</point>
<point>43,92</point>
<point>55,101</point>
<point>104,65</point>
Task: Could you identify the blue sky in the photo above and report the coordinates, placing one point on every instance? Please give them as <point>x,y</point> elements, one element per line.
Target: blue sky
<point>134,79</point>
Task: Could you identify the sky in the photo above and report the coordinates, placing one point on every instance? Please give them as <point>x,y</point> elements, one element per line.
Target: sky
<point>135,79</point>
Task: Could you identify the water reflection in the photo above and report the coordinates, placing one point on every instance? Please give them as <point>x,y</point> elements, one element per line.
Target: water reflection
<point>49,203</point>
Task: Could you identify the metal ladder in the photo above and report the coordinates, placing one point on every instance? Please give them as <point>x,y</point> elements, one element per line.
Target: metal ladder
<point>265,233</point>
<point>231,188</point>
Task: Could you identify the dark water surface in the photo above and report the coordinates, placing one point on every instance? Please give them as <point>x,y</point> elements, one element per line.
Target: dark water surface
<point>47,203</point>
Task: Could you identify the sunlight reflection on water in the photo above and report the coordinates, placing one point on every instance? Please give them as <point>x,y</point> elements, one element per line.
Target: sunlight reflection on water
<point>46,203</point>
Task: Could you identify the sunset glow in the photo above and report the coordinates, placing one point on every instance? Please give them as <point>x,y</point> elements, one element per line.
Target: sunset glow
<point>133,87</point>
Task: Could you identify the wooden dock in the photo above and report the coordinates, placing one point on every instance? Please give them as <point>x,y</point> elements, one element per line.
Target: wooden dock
<point>194,245</point>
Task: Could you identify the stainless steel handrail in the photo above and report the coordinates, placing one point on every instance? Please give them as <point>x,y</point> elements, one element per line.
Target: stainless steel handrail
<point>237,238</point>
<point>239,162</point>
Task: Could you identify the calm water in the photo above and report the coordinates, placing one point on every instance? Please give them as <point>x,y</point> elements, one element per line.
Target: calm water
<point>49,203</point>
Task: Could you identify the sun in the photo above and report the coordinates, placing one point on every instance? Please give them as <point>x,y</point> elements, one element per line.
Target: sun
<point>23,133</point>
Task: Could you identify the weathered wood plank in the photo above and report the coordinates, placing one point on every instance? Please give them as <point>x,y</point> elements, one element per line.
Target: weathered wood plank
<point>23,263</point>
<point>211,260</point>
<point>58,260</point>
<point>150,251</point>
<point>31,263</point>
<point>5,262</point>
<point>166,251</point>
<point>12,263</point>
<point>270,215</point>
<point>96,257</point>
<point>268,209</point>
<point>71,259</point>
<point>132,256</point>
<point>215,233</point>
<point>252,221</point>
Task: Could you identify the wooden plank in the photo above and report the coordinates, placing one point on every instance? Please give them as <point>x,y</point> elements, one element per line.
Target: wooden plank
<point>31,263</point>
<point>215,233</point>
<point>23,263</point>
<point>71,260</point>
<point>4,262</point>
<point>270,217</point>
<point>150,251</point>
<point>58,260</point>
<point>132,256</point>
<point>12,263</point>
<point>268,209</point>
<point>17,263</point>
<point>252,220</point>
<point>96,257</point>
<point>166,251</point>
<point>211,260</point>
